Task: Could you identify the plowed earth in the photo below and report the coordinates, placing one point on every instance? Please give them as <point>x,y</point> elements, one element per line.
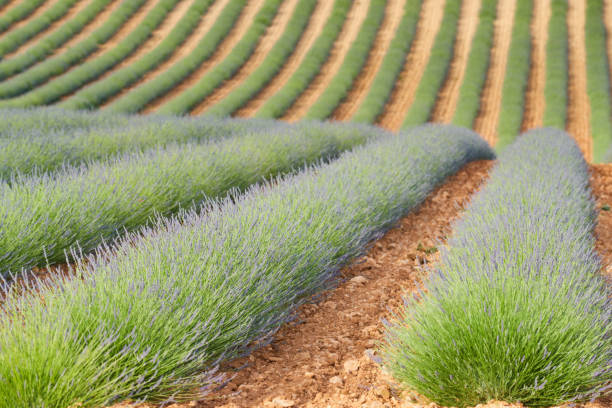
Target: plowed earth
<point>534,97</point>
<point>403,94</point>
<point>449,94</point>
<point>490,101</point>
<point>579,109</point>
<point>361,86</point>
<point>349,32</point>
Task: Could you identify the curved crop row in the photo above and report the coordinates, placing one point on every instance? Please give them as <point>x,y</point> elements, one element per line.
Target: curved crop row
<point>435,73</point>
<point>99,92</point>
<point>352,65</point>
<point>517,76</point>
<point>517,309</point>
<point>598,79</point>
<point>150,321</point>
<point>555,90</point>
<point>15,38</point>
<point>273,63</point>
<point>43,216</point>
<point>57,65</point>
<point>138,98</point>
<point>276,105</point>
<point>17,13</point>
<point>476,70</point>
<point>36,152</point>
<point>46,46</point>
<point>382,86</point>
<point>187,100</point>
<point>92,69</point>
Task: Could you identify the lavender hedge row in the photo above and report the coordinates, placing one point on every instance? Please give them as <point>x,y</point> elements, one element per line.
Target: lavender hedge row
<point>517,309</point>
<point>555,88</point>
<point>152,321</point>
<point>17,13</point>
<point>45,215</point>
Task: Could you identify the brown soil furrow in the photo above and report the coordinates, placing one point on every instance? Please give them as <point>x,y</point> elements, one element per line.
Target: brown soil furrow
<point>223,50</point>
<point>266,42</point>
<point>350,29</point>
<point>405,88</point>
<point>96,23</point>
<point>323,360</point>
<point>190,44</point>
<point>38,11</point>
<point>601,182</point>
<point>579,109</point>
<point>490,101</point>
<point>393,15</point>
<point>449,94</point>
<point>535,100</point>
<point>74,10</point>
<point>315,25</point>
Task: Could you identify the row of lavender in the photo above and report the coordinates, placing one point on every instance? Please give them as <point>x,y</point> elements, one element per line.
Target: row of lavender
<point>152,318</point>
<point>517,309</point>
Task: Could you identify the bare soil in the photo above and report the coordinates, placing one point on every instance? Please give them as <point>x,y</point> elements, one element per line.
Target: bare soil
<point>74,10</point>
<point>316,23</point>
<point>190,44</point>
<point>319,84</point>
<point>535,101</point>
<point>265,44</point>
<point>449,94</point>
<point>579,109</point>
<point>405,88</point>
<point>393,16</point>
<point>37,12</point>
<point>601,182</point>
<point>490,101</point>
<point>223,50</point>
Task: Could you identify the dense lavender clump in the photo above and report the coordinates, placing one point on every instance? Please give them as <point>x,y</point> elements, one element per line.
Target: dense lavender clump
<point>152,320</point>
<point>517,309</point>
<point>43,216</point>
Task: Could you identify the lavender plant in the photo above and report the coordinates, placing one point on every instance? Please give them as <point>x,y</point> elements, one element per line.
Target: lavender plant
<point>516,309</point>
<point>151,321</point>
<point>43,216</point>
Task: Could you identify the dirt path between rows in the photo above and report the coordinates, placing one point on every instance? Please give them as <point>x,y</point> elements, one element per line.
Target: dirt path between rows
<point>535,100</point>
<point>490,101</point>
<point>190,44</point>
<point>156,37</point>
<point>273,34</point>
<point>223,50</point>
<point>37,12</point>
<point>449,94</point>
<point>394,12</point>
<point>316,23</point>
<point>92,26</point>
<point>73,11</point>
<point>601,182</point>
<point>579,109</point>
<point>348,34</point>
<point>402,96</point>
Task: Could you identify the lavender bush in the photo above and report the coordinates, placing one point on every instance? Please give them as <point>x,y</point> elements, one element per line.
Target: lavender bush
<point>151,320</point>
<point>517,309</point>
<point>43,216</point>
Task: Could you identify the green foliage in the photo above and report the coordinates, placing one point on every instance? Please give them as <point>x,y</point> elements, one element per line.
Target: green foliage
<point>17,13</point>
<point>58,64</point>
<point>275,59</point>
<point>555,91</point>
<point>101,91</point>
<point>598,80</point>
<point>476,70</point>
<point>382,86</point>
<point>151,320</point>
<point>517,76</point>
<point>352,65</point>
<point>282,100</point>
<point>196,93</point>
<point>435,72</point>
<point>138,98</point>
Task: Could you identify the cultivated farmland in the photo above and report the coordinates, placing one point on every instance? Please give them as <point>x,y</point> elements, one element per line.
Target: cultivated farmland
<point>305,203</point>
